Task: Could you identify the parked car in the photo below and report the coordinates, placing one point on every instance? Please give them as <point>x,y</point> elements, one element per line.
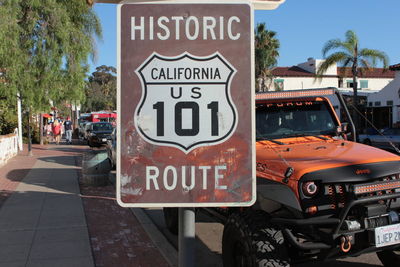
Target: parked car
<point>385,139</point>
<point>98,133</point>
<point>111,149</point>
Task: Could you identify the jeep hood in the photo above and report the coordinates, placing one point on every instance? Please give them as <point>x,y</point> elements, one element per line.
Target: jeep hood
<point>309,154</point>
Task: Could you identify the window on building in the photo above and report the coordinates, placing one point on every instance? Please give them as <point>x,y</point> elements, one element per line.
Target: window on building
<point>340,83</point>
<point>377,103</point>
<point>389,103</point>
<point>370,104</point>
<point>363,84</point>
<point>279,84</point>
<point>349,83</point>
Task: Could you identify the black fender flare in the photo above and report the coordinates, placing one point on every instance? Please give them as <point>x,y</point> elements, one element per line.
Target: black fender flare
<point>274,192</point>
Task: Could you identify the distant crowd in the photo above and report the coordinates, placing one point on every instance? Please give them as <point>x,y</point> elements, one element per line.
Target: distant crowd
<point>53,130</point>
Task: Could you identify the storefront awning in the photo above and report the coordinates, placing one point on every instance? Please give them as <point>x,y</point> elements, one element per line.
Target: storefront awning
<point>45,115</point>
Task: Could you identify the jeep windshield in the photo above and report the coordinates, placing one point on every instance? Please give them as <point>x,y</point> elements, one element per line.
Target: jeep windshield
<point>294,119</point>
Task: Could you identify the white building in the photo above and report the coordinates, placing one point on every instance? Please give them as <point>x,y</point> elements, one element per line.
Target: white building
<point>385,104</point>
<point>378,89</point>
<point>303,76</point>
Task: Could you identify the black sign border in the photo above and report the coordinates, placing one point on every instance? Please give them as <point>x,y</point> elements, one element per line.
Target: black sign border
<point>186,54</point>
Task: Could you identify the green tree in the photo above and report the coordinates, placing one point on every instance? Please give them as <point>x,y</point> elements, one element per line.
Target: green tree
<point>101,90</point>
<point>44,49</point>
<point>8,118</point>
<point>266,50</point>
<point>348,53</point>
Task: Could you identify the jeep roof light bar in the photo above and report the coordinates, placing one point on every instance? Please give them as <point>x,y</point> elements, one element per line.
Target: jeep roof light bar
<point>295,93</point>
<point>329,91</point>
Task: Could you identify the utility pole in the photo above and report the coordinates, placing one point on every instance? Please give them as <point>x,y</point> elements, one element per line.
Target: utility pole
<point>20,145</point>
<point>29,133</point>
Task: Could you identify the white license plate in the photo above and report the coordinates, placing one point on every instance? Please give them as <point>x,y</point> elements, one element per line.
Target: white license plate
<point>104,139</point>
<point>387,235</point>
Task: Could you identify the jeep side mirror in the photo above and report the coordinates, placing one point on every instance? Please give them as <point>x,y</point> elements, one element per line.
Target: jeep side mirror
<point>344,127</point>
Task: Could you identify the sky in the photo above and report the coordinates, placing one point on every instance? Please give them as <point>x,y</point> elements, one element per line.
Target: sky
<point>302,27</point>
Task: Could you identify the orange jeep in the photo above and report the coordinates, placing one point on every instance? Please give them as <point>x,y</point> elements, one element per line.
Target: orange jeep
<point>319,196</point>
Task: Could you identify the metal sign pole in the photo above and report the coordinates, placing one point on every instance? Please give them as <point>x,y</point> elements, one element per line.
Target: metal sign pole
<point>187,236</point>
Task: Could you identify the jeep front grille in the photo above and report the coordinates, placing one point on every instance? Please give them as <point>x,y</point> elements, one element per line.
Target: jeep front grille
<point>334,197</point>
<point>336,194</point>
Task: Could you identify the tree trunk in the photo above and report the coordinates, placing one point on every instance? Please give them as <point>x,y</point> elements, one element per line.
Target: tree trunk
<point>19,108</point>
<point>29,134</point>
<point>355,116</point>
<point>41,129</point>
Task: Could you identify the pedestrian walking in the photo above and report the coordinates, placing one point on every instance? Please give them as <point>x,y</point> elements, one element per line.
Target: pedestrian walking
<point>57,131</point>
<point>68,130</point>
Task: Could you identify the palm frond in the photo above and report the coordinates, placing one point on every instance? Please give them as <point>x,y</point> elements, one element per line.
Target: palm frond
<point>345,63</point>
<point>332,59</point>
<point>373,56</point>
<point>330,45</point>
<point>365,63</point>
<point>351,38</point>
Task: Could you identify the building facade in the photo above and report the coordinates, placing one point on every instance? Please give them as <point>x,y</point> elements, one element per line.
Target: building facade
<point>378,88</point>
<point>384,105</point>
<point>303,76</point>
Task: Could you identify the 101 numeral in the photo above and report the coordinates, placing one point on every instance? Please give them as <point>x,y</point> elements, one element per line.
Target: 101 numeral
<point>194,107</point>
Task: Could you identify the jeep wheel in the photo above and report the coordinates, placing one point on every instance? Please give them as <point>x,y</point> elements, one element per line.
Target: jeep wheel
<point>389,258</point>
<point>171,217</point>
<point>248,241</point>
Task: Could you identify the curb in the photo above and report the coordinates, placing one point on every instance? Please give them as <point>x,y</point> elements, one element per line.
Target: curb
<point>166,249</point>
<point>160,241</point>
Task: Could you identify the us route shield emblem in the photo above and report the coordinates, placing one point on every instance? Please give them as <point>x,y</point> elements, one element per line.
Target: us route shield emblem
<point>186,101</point>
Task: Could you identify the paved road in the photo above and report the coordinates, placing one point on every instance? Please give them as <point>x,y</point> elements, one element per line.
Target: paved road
<point>209,236</point>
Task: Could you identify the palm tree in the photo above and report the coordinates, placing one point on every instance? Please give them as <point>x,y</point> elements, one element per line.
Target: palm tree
<point>349,54</point>
<point>266,52</point>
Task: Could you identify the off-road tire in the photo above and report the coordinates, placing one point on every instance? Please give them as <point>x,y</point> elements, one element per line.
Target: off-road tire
<point>171,218</point>
<point>249,241</point>
<point>389,258</point>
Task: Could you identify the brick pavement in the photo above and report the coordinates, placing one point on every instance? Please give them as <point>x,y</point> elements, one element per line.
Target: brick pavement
<point>116,237</point>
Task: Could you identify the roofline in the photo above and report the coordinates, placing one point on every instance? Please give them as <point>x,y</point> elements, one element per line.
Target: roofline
<point>313,75</point>
<point>394,67</point>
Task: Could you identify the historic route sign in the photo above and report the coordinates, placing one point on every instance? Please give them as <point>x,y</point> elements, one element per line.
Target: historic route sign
<point>185,105</point>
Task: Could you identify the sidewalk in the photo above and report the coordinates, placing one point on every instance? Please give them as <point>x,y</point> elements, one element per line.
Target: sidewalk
<point>47,219</point>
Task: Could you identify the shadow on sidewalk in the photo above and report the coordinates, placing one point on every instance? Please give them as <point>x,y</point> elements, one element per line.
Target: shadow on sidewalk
<point>62,160</point>
<point>43,179</point>
<point>62,148</point>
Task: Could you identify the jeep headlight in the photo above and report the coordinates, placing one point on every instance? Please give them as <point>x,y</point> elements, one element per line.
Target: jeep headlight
<point>309,188</point>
